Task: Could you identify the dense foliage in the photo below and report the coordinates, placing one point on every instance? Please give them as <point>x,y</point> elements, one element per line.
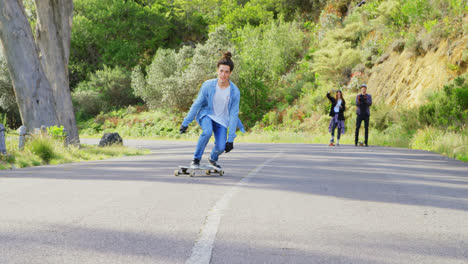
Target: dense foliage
<point>8,107</point>
<point>155,54</point>
<point>174,78</point>
<point>447,108</point>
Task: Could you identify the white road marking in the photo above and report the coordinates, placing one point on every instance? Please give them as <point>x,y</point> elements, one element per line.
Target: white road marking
<point>203,248</point>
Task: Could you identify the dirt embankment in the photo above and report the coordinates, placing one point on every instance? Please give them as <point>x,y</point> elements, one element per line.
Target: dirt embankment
<point>405,80</point>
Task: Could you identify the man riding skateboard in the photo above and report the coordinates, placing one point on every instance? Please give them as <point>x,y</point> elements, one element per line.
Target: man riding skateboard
<point>216,110</point>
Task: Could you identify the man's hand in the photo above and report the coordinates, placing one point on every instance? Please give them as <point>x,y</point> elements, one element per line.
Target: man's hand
<point>229,146</point>
<point>182,129</point>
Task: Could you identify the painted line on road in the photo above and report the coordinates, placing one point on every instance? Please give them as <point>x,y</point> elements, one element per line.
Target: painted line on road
<point>203,248</point>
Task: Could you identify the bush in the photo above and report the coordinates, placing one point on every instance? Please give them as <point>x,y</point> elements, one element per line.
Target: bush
<point>383,116</point>
<point>8,103</point>
<point>109,87</point>
<point>413,12</point>
<point>449,108</point>
<point>330,61</point>
<point>57,132</point>
<point>174,78</point>
<point>116,32</point>
<point>448,143</point>
<point>398,45</point>
<point>236,16</point>
<point>87,104</point>
<point>43,147</point>
<point>266,54</point>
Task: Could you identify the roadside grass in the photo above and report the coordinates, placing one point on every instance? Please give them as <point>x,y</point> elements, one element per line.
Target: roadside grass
<point>385,130</point>
<point>450,144</point>
<point>454,145</point>
<point>44,150</point>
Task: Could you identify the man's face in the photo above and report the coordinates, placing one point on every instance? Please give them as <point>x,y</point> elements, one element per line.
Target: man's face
<point>224,72</point>
<point>363,90</point>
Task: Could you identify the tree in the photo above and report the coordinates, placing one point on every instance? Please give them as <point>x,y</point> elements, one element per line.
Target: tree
<point>39,69</point>
<point>116,33</point>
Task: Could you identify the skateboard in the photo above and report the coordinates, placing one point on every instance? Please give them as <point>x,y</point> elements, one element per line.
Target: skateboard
<point>186,170</point>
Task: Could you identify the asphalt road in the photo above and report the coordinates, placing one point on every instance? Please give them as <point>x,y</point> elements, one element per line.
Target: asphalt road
<point>277,203</point>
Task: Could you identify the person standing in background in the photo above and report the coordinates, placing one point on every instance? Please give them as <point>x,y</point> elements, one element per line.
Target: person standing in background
<point>363,103</point>
<point>338,106</point>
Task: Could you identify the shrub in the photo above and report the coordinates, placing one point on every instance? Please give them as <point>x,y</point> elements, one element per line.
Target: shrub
<point>398,45</point>
<point>236,16</point>
<point>330,61</point>
<point>174,78</point>
<point>7,95</point>
<point>8,103</point>
<point>383,116</point>
<point>448,108</point>
<point>266,54</point>
<point>42,147</point>
<point>413,12</point>
<point>87,104</point>
<point>57,132</point>
<point>415,45</point>
<point>448,143</point>
<point>116,32</point>
<point>271,118</point>
<point>106,89</point>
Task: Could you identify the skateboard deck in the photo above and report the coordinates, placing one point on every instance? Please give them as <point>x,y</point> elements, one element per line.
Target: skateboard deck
<point>208,169</point>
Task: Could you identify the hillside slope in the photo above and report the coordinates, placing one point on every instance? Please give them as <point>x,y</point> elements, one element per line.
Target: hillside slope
<point>405,80</point>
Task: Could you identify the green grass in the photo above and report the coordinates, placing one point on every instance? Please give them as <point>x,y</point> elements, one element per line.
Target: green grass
<point>448,143</point>
<point>386,130</point>
<point>451,144</point>
<point>44,150</point>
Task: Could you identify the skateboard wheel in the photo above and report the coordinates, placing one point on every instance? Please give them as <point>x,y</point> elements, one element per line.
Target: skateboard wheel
<point>207,172</point>
<point>221,173</point>
<point>192,174</point>
<point>176,173</point>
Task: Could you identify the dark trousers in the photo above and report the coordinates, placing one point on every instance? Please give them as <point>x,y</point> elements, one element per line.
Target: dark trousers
<point>335,125</point>
<point>358,126</point>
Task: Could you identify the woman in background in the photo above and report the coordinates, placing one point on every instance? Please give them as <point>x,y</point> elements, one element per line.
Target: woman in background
<point>337,113</point>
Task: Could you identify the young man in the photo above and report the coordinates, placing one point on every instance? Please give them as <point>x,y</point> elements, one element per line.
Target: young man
<point>363,102</point>
<point>216,110</point>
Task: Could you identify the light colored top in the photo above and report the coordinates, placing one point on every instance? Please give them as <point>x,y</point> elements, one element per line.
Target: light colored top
<point>337,106</point>
<point>220,106</point>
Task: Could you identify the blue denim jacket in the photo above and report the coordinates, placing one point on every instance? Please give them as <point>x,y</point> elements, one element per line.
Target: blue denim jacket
<point>203,106</point>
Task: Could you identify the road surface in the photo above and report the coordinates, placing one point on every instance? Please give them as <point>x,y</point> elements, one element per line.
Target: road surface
<point>277,203</point>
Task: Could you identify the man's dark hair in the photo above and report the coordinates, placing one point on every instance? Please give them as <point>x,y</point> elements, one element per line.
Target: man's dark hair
<point>226,60</point>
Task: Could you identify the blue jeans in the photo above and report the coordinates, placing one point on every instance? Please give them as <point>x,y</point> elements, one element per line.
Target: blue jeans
<point>209,127</point>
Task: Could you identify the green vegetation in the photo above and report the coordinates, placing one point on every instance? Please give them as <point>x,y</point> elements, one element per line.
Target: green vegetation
<point>106,90</point>
<point>448,108</point>
<point>42,150</point>
<point>136,66</point>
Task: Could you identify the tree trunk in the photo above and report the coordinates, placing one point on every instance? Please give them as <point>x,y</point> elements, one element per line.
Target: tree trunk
<point>32,89</point>
<point>54,21</point>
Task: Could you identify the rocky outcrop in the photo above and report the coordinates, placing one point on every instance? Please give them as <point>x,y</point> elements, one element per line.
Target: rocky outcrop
<point>404,79</point>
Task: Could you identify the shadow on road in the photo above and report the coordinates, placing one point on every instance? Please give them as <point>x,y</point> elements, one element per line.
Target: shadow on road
<point>371,174</point>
